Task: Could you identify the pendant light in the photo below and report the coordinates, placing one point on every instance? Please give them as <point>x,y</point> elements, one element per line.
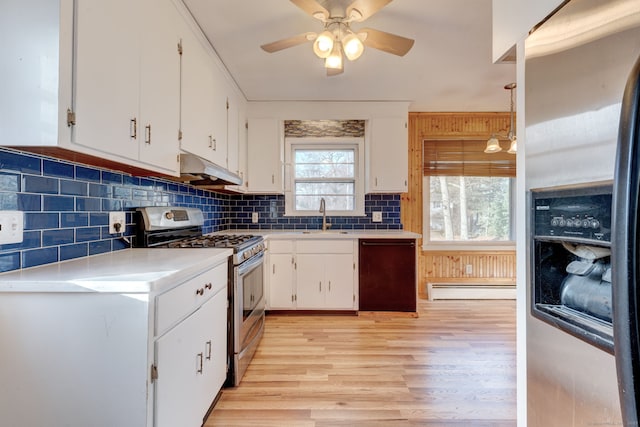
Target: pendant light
<point>493,144</point>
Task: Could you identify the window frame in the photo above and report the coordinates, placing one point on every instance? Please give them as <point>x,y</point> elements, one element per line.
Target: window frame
<point>323,143</point>
<point>428,244</point>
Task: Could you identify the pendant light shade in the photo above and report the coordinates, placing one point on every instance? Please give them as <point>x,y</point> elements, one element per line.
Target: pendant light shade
<point>353,46</point>
<point>493,145</point>
<point>514,146</point>
<point>334,60</point>
<point>323,45</point>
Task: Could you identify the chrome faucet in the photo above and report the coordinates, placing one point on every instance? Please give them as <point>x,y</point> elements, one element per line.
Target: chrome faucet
<point>323,211</point>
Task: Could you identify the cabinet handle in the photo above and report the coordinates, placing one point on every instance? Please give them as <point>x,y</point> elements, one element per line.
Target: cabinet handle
<point>147,134</point>
<point>133,128</point>
<point>215,144</point>
<point>207,286</point>
<point>274,269</point>
<point>273,178</point>
<point>329,285</point>
<point>320,286</point>
<point>376,181</point>
<point>199,356</point>
<point>210,141</point>
<point>208,350</point>
<point>200,291</point>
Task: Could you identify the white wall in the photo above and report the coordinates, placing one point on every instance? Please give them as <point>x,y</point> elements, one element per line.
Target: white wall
<point>297,110</point>
<point>513,19</point>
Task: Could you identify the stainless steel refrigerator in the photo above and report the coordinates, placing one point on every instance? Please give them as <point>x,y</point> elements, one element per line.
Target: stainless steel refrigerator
<point>581,321</point>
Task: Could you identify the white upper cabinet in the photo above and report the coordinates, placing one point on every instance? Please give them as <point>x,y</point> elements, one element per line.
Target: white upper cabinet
<point>208,125</point>
<point>111,68</point>
<point>388,155</point>
<point>107,70</point>
<point>127,83</point>
<point>264,156</point>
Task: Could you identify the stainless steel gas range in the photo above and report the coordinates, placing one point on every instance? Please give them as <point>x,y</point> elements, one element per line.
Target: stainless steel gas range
<point>174,227</point>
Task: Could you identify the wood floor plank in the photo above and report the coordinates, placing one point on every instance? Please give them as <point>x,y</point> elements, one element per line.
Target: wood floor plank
<point>454,365</point>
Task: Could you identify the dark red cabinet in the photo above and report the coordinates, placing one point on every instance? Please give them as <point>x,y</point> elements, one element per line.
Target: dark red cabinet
<point>387,275</point>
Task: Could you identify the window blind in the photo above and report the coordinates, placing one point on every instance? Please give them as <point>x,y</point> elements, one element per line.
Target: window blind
<point>466,158</point>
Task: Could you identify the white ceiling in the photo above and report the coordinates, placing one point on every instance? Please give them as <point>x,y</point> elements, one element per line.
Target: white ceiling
<point>449,67</point>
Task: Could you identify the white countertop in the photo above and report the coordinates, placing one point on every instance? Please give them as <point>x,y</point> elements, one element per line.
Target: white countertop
<point>329,234</point>
<point>127,271</point>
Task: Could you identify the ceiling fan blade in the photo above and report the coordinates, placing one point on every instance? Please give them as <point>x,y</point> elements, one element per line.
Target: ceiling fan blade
<point>360,10</point>
<point>288,42</point>
<point>334,71</point>
<point>387,42</point>
<point>313,8</point>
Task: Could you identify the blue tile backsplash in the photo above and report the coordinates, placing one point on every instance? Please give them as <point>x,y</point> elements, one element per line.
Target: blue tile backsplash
<point>66,208</point>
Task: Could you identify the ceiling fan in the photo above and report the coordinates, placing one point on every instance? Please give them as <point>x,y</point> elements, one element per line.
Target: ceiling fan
<point>337,38</point>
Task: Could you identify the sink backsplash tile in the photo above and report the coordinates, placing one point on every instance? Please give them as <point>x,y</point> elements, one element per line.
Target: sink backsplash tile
<point>66,207</point>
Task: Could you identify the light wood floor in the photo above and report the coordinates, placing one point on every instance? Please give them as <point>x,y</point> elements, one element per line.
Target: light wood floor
<point>455,365</point>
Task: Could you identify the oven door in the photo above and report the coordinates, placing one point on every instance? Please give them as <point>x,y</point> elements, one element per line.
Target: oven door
<point>249,301</point>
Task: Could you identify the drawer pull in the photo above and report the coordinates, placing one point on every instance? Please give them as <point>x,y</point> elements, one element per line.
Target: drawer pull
<point>208,343</point>
<point>208,286</point>
<point>199,356</point>
<point>200,291</point>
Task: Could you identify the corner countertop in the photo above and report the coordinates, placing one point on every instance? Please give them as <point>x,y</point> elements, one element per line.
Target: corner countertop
<point>135,270</point>
<point>329,234</point>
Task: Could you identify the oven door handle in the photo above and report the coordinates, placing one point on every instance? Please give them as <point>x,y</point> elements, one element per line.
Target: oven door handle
<point>250,264</point>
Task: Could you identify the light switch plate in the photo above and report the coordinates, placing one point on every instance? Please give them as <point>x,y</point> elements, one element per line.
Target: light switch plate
<point>254,217</point>
<point>377,217</point>
<point>11,226</point>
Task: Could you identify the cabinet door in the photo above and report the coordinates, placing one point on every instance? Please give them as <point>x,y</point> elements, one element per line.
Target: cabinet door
<point>388,155</point>
<point>197,104</point>
<point>310,284</point>
<point>264,156</point>
<point>214,345</point>
<point>280,281</point>
<point>180,360</point>
<point>219,118</point>
<point>159,118</point>
<point>233,135</point>
<point>106,76</point>
<point>339,278</point>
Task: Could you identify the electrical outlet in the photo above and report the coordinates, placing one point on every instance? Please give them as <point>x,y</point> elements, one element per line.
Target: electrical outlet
<point>468,269</point>
<point>117,222</point>
<point>254,217</point>
<point>11,226</point>
<point>377,217</point>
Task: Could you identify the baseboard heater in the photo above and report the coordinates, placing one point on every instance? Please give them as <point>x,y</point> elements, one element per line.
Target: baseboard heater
<point>440,291</point>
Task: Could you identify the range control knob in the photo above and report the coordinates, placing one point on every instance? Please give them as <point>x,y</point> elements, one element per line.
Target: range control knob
<point>595,223</point>
<point>169,215</point>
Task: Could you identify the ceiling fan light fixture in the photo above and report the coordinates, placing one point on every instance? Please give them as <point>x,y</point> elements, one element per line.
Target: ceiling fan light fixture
<point>323,45</point>
<point>334,60</point>
<point>493,145</point>
<point>352,46</point>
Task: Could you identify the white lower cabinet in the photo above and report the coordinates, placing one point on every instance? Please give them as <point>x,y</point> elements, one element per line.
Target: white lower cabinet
<point>114,359</point>
<point>312,274</point>
<point>192,364</point>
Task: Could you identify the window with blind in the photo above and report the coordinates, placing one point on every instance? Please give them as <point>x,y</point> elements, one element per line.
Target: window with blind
<point>328,169</point>
<point>468,193</point>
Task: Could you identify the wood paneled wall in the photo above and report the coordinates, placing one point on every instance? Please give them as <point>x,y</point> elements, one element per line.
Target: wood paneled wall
<point>449,266</point>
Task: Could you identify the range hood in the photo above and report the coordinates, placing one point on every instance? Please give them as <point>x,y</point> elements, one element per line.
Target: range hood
<point>203,173</point>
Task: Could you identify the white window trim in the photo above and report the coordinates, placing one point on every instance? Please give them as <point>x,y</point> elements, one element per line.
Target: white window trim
<point>428,245</point>
<point>323,143</point>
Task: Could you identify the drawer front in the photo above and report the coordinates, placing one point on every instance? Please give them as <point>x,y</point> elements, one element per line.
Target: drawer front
<point>182,300</point>
<point>324,246</point>
<point>280,246</point>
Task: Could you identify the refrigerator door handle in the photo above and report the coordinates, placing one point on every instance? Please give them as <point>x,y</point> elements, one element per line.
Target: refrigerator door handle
<point>625,251</point>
